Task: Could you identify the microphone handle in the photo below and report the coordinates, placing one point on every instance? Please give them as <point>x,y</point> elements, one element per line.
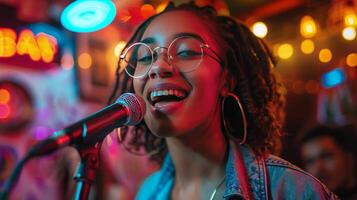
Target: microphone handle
<point>85,132</point>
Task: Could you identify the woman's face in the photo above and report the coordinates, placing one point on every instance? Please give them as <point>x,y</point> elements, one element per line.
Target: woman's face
<point>179,103</point>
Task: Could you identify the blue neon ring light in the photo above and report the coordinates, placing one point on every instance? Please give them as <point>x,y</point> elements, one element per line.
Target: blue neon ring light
<point>88,15</point>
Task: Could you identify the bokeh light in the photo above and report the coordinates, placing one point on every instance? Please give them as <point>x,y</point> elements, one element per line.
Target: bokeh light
<point>308,27</point>
<point>4,96</point>
<point>333,78</point>
<point>325,55</point>
<point>67,61</point>
<point>351,60</point>
<point>260,29</point>
<point>285,51</point>
<point>307,46</point>
<point>147,10</point>
<point>350,18</point>
<point>349,33</point>
<point>84,61</point>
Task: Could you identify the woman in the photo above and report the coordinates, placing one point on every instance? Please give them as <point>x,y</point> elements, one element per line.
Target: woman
<point>214,112</point>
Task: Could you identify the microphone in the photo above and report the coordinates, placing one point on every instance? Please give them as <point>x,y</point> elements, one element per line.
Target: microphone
<point>129,109</point>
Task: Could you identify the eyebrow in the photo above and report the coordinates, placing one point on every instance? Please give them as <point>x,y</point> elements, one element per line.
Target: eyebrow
<point>151,40</point>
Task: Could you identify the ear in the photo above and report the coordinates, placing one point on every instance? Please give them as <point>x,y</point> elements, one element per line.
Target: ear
<point>229,82</point>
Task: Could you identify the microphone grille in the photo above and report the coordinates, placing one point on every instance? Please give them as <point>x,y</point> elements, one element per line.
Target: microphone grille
<point>135,106</point>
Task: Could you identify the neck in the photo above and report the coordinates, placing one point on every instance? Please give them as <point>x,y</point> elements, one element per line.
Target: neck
<point>203,154</point>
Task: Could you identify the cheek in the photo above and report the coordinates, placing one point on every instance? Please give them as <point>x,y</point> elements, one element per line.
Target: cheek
<point>138,86</point>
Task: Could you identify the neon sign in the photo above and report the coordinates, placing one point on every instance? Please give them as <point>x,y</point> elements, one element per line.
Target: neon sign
<point>40,47</point>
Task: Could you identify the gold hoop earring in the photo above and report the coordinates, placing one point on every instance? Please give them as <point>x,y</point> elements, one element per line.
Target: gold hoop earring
<point>229,113</point>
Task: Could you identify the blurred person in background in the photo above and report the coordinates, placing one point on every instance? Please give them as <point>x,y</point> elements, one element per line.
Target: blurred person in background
<point>329,153</point>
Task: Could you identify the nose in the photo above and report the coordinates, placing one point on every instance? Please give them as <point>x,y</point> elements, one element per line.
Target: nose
<point>161,67</point>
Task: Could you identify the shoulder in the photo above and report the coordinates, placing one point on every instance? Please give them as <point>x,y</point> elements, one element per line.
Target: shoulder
<point>290,181</point>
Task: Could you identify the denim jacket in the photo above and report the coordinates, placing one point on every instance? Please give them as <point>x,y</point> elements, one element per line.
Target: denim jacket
<point>260,177</point>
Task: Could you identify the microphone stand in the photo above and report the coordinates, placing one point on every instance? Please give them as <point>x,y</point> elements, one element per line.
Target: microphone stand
<point>86,170</point>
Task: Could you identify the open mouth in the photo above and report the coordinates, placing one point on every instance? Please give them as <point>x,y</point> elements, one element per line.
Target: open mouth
<point>167,95</point>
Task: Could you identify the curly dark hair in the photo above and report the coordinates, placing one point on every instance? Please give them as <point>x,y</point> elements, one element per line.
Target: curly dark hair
<point>248,60</point>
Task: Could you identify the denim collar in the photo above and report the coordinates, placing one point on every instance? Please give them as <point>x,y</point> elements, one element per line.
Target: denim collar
<point>253,165</point>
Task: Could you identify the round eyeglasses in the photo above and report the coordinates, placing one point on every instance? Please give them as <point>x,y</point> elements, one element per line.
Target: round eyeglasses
<point>185,53</point>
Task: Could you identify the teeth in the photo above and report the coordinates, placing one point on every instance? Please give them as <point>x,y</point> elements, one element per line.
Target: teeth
<point>158,93</point>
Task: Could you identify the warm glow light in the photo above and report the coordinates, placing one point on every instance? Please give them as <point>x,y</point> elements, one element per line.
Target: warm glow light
<point>308,27</point>
<point>307,46</point>
<point>118,48</point>
<point>351,60</point>
<point>285,51</point>
<point>161,7</point>
<point>325,55</point>
<point>4,111</point>
<point>4,96</point>
<point>84,61</point>
<point>350,18</point>
<point>27,45</point>
<point>260,29</point>
<point>67,61</point>
<point>41,46</point>
<point>349,33</point>
<point>7,42</point>
<point>48,46</point>
<point>147,10</point>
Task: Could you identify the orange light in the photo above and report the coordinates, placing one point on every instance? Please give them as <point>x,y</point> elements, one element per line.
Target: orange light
<point>147,10</point>
<point>350,18</point>
<point>325,55</point>
<point>308,27</point>
<point>4,111</point>
<point>84,61</point>
<point>4,96</point>
<point>285,51</point>
<point>161,7</point>
<point>7,42</point>
<point>351,60</point>
<point>307,46</point>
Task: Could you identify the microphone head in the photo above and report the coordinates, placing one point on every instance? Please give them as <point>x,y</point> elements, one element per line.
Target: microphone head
<point>135,105</point>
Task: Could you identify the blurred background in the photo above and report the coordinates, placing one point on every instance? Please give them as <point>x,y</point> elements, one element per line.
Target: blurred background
<point>52,76</point>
